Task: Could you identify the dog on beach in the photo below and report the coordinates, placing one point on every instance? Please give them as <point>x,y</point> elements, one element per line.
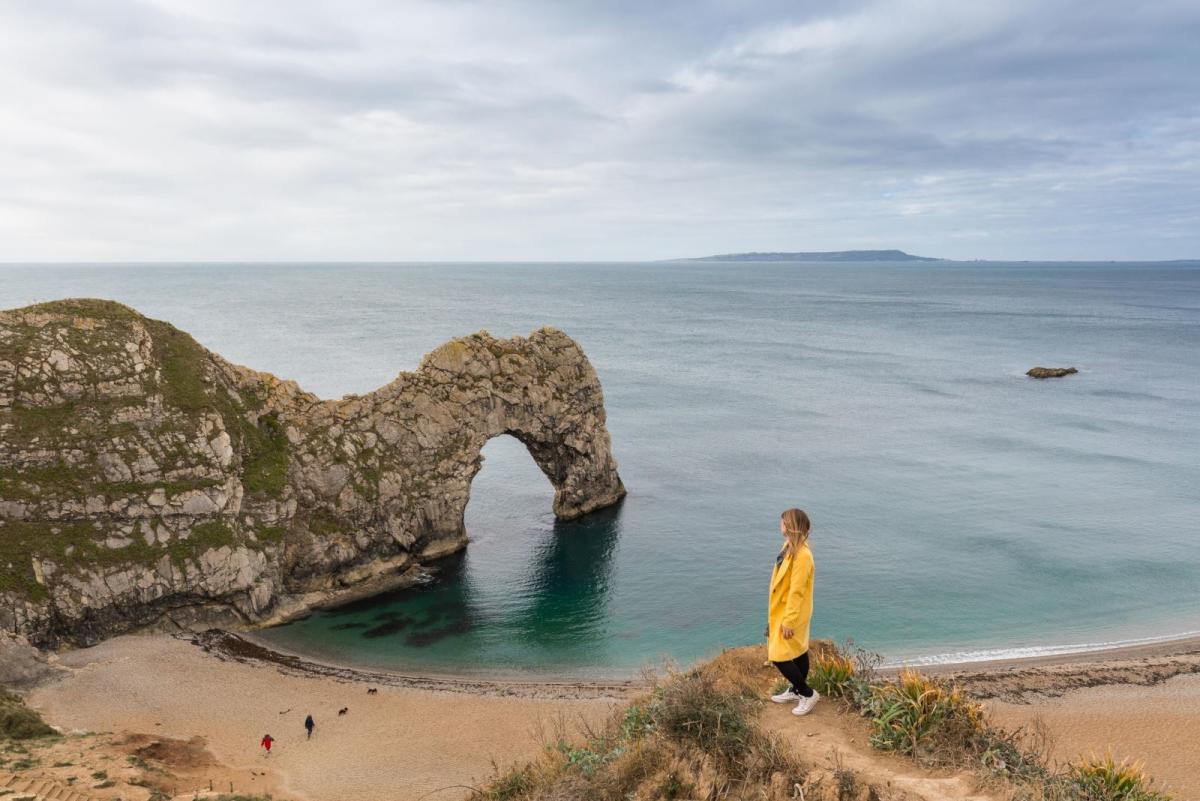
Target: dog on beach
<point>372,691</point>
<point>343,710</point>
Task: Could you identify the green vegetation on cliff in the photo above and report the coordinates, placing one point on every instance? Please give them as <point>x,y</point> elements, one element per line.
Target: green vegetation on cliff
<point>187,385</point>
<point>19,722</point>
<point>108,410</point>
<point>267,456</point>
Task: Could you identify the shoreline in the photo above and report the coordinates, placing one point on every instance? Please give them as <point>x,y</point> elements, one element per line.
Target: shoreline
<point>1026,681</point>
<point>1050,654</point>
<point>243,648</point>
<point>1009,678</point>
<point>1182,645</point>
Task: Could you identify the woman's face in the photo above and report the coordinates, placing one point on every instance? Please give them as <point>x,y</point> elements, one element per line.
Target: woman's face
<point>782,527</point>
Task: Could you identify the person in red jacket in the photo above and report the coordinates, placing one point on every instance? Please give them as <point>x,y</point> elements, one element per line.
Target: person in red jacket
<point>266,743</point>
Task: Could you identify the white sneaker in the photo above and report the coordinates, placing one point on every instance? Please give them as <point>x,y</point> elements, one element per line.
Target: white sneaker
<point>786,697</point>
<point>806,704</point>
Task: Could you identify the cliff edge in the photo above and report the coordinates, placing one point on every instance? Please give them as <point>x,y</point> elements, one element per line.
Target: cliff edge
<point>144,480</point>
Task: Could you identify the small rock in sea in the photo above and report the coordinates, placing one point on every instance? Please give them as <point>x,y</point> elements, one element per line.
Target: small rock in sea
<point>1051,372</point>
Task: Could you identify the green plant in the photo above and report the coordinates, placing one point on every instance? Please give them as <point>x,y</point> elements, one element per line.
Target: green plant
<point>19,722</point>
<point>831,673</point>
<point>267,456</point>
<point>510,785</point>
<point>1105,779</point>
<point>588,758</point>
<point>637,721</point>
<point>913,709</point>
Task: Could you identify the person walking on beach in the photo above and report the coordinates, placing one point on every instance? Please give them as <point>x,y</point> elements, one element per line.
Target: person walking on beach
<point>309,725</point>
<point>266,743</point>
<point>789,611</point>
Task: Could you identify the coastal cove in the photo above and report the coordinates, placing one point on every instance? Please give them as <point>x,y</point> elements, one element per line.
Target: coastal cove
<point>959,508</point>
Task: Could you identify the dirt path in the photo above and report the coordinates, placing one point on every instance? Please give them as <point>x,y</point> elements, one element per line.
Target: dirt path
<point>835,741</point>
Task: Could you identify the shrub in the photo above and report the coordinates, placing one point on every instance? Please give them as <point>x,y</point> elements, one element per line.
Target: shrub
<point>510,785</point>
<point>830,674</point>
<point>1105,779</point>
<point>691,709</point>
<point>19,722</point>
<point>693,735</point>
<point>915,711</point>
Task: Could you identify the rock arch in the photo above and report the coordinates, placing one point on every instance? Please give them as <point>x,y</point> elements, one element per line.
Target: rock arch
<point>413,446</point>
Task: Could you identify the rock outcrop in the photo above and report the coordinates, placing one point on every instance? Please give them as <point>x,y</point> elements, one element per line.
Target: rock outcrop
<point>1050,372</point>
<point>144,480</point>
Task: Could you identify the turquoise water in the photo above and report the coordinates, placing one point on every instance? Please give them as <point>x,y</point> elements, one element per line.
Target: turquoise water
<point>958,507</point>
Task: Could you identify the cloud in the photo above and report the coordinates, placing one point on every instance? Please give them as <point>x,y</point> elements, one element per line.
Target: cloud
<point>364,129</point>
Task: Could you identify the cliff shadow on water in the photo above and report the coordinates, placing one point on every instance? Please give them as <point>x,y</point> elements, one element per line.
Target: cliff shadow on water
<point>552,599</point>
<point>571,580</point>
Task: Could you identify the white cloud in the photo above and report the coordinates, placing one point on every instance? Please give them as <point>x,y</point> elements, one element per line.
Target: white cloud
<point>311,130</point>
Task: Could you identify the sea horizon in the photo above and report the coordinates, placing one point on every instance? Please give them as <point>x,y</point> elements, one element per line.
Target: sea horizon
<point>563,262</point>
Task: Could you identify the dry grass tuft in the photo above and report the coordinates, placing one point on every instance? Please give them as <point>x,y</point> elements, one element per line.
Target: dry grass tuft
<point>1105,779</point>
<point>694,735</point>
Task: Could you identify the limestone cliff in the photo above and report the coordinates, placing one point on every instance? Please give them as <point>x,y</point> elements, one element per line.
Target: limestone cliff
<point>143,479</point>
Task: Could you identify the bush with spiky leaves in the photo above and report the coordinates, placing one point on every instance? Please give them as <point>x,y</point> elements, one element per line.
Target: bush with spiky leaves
<point>1105,779</point>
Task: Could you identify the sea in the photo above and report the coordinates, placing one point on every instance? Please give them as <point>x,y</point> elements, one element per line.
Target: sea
<point>961,510</point>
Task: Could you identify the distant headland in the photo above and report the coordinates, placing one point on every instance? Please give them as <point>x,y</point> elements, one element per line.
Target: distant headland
<point>827,255</point>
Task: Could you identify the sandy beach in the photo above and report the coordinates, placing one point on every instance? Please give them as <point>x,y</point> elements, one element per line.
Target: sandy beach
<point>398,744</point>
<point>1139,702</point>
<point>434,737</point>
<point>1156,725</point>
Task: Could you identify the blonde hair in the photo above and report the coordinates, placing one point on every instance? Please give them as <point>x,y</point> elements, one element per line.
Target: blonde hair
<point>795,527</point>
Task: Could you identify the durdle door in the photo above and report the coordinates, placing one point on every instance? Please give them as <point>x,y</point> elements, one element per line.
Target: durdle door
<point>146,481</point>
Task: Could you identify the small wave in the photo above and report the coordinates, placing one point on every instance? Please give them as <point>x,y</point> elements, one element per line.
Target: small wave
<point>1121,394</point>
<point>1032,651</point>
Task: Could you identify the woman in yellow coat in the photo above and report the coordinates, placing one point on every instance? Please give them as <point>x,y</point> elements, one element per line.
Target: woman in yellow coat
<point>790,610</point>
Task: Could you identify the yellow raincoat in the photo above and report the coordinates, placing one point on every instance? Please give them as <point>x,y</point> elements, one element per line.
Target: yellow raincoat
<point>791,603</point>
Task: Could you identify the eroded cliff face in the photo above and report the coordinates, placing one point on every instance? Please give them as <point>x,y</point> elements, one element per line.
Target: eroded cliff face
<point>145,481</point>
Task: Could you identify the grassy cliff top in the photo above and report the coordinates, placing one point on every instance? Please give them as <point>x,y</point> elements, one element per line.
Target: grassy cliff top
<point>97,308</point>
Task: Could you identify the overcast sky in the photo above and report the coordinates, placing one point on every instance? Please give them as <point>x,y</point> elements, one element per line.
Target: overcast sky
<point>455,130</point>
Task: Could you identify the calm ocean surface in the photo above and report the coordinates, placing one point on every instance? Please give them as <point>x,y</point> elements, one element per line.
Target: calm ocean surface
<point>959,509</point>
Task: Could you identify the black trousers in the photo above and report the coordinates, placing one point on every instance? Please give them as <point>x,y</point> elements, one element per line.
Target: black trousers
<point>796,671</point>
